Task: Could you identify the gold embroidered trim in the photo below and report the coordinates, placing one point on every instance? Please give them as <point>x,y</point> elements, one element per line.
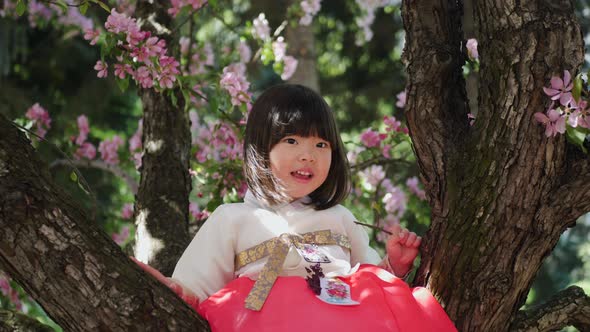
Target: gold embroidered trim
<point>277,249</point>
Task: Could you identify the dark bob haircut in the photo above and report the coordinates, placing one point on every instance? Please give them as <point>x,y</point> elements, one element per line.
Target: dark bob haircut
<point>290,109</point>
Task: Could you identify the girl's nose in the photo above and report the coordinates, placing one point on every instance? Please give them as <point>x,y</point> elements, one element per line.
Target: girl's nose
<point>306,155</point>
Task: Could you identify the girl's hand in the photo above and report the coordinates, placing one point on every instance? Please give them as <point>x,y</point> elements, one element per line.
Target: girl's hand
<point>402,249</point>
<point>184,293</point>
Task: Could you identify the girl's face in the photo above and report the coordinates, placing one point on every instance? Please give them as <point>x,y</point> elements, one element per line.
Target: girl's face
<point>301,164</point>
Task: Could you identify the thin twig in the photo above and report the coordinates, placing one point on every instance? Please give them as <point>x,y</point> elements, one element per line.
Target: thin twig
<point>373,226</point>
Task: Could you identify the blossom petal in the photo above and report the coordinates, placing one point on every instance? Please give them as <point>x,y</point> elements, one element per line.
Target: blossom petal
<point>565,98</point>
<point>550,92</point>
<point>566,78</point>
<point>556,83</point>
<point>542,118</point>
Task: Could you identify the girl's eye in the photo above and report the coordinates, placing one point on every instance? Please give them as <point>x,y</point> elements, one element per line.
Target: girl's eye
<point>290,141</point>
<point>323,145</point>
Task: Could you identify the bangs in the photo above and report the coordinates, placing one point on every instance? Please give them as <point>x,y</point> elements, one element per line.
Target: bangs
<point>303,116</point>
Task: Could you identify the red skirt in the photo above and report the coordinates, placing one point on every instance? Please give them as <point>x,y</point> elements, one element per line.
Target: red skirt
<point>385,305</point>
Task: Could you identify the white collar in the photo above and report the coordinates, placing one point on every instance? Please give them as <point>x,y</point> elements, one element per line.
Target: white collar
<point>297,205</point>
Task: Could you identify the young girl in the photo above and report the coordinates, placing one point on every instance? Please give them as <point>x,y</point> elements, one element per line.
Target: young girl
<point>290,258</point>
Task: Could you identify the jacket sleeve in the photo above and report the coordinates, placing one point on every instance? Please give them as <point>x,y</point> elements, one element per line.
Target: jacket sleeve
<point>360,251</point>
<point>207,264</point>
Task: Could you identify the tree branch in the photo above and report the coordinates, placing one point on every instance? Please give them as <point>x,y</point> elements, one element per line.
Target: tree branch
<point>434,62</point>
<point>93,285</point>
<point>575,186</point>
<point>99,164</point>
<point>570,307</point>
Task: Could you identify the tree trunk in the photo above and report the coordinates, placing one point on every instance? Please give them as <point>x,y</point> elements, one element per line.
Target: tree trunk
<point>301,40</point>
<point>161,207</point>
<point>493,187</point>
<point>65,262</point>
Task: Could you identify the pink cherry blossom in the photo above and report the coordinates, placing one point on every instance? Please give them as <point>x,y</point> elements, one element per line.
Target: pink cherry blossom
<point>83,129</point>
<point>261,28</point>
<point>279,48</point>
<point>40,117</point>
<point>560,89</point>
<point>122,236</point>
<point>372,138</point>
<point>101,67</point>
<point>127,211</point>
<point>401,99</point>
<point>373,175</point>
<point>135,140</point>
<point>583,114</point>
<point>86,150</point>
<point>245,52</point>
<point>290,65</point>
<point>121,70</point>
<point>391,123</point>
<point>386,151</point>
<point>92,35</point>
<point>117,22</point>
<point>310,9</point>
<point>472,49</point>
<point>353,154</point>
<point>108,150</point>
<point>234,81</point>
<point>471,118</point>
<point>184,43</point>
<point>554,122</point>
<point>178,4</point>
<point>395,202</point>
<point>412,184</point>
<point>143,75</point>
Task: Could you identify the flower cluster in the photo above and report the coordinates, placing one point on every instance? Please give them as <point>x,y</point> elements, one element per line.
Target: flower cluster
<point>139,55</point>
<point>215,141</point>
<point>472,49</point>
<point>310,9</point>
<point>10,292</point>
<point>279,49</point>
<point>569,110</point>
<point>177,5</point>
<point>368,8</point>
<point>85,149</point>
<point>261,29</point>
<point>135,146</point>
<point>40,118</point>
<point>233,79</point>
<point>41,13</point>
<point>108,150</point>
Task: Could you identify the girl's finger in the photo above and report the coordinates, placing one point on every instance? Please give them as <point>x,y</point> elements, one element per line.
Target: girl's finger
<point>411,239</point>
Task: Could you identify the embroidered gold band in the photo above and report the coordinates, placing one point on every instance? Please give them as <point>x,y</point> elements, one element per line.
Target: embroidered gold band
<point>277,250</point>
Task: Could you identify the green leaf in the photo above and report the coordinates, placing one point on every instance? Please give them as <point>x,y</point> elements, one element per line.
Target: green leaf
<point>84,7</point>
<point>102,4</point>
<point>187,99</point>
<point>62,4</point>
<point>576,137</point>
<point>577,90</point>
<point>74,176</point>
<point>123,83</point>
<point>21,6</point>
<point>173,98</point>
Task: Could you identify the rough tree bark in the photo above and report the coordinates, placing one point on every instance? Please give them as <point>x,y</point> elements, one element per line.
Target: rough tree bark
<point>501,192</point>
<point>161,205</point>
<point>67,263</point>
